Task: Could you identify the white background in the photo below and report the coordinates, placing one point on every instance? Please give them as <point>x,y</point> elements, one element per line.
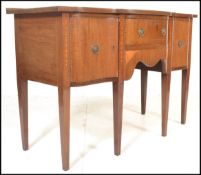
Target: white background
<point>143,149</point>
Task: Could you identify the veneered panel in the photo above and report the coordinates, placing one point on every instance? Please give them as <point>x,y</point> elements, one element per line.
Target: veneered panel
<point>89,32</point>
<point>36,39</point>
<point>180,42</point>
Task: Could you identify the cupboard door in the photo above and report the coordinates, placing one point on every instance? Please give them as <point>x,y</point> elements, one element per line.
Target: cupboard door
<point>180,43</point>
<point>94,47</point>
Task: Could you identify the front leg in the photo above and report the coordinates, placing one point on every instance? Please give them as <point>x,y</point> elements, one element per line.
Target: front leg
<point>117,119</point>
<point>64,118</point>
<point>22,85</point>
<point>165,101</point>
<point>184,94</point>
<point>64,86</point>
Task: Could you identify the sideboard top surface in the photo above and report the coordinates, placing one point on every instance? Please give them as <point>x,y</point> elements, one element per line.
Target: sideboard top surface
<point>56,9</point>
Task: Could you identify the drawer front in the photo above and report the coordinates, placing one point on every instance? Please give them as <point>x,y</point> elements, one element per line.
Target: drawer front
<point>180,43</point>
<point>140,31</point>
<point>146,42</point>
<point>94,47</point>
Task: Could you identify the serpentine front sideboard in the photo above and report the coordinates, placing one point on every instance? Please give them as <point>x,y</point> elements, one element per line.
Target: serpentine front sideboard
<point>75,46</point>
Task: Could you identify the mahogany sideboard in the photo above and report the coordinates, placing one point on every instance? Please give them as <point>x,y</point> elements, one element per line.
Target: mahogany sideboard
<point>75,46</point>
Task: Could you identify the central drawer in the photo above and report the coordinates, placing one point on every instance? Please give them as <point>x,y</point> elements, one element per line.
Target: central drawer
<point>142,31</point>
<point>145,41</point>
<point>94,47</point>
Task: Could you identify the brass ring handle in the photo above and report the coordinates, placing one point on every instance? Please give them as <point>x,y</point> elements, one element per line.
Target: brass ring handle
<point>141,32</point>
<point>180,43</point>
<point>95,49</point>
<point>163,31</point>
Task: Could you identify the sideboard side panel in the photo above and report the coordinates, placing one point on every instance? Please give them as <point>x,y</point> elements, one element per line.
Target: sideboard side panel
<point>190,42</point>
<point>36,36</point>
